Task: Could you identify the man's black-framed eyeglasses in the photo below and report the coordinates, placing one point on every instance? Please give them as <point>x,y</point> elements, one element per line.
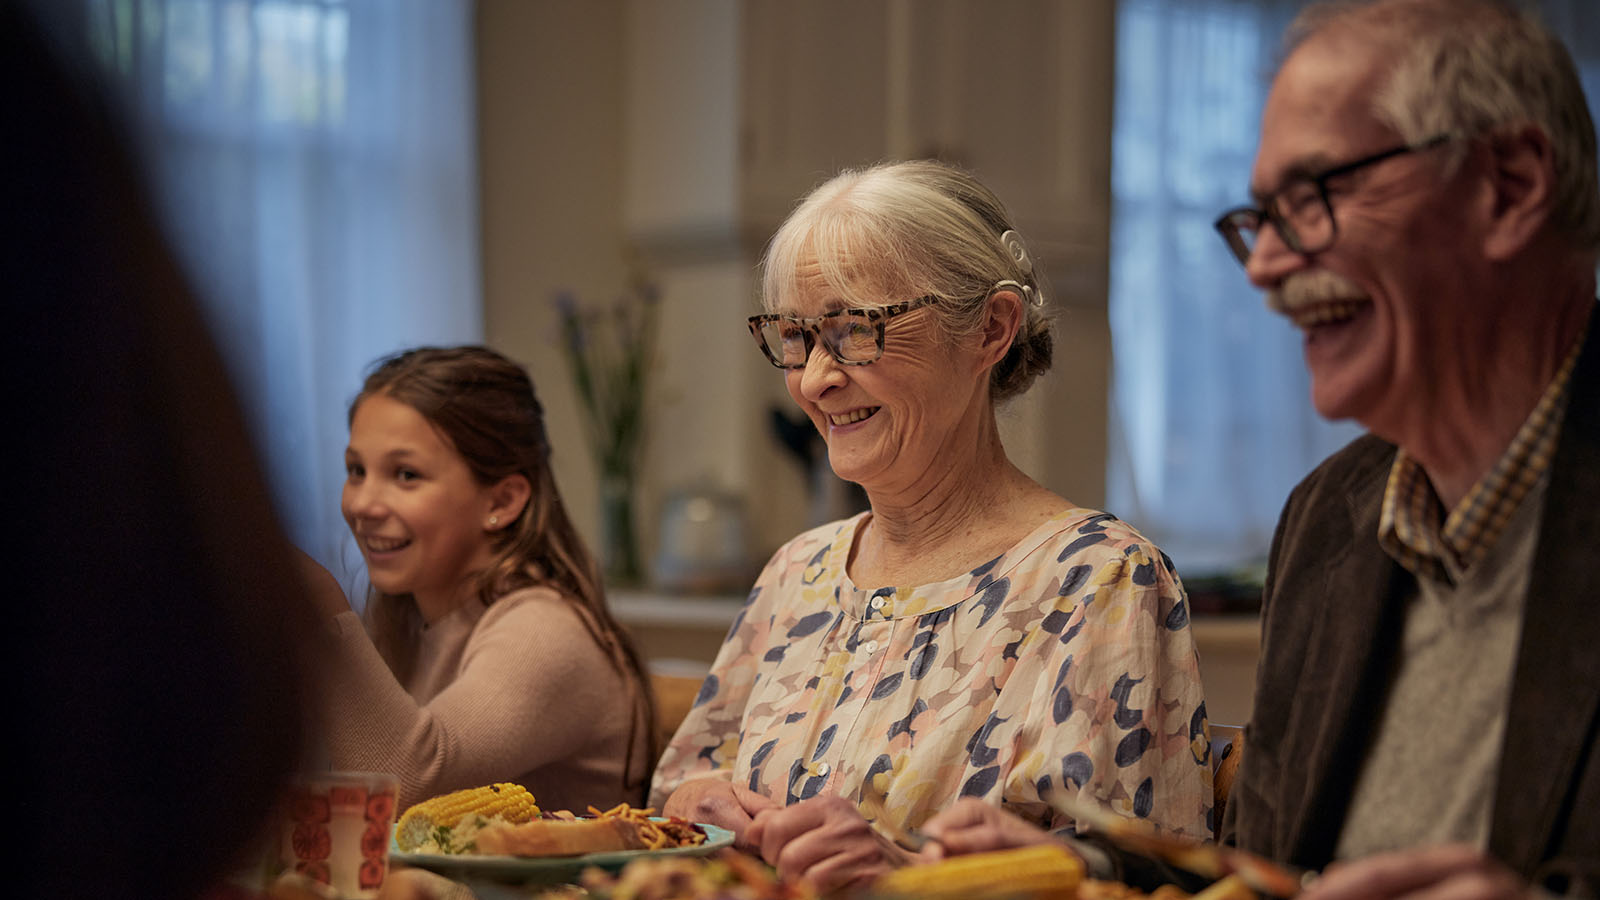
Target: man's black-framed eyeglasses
<point>1300,209</point>
<point>853,337</point>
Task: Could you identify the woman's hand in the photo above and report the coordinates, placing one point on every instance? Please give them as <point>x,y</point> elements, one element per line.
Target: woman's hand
<point>1452,870</point>
<point>825,841</point>
<point>713,801</point>
<point>327,597</point>
<point>973,826</point>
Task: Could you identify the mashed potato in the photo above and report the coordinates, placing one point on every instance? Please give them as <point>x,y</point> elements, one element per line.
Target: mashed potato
<point>459,838</point>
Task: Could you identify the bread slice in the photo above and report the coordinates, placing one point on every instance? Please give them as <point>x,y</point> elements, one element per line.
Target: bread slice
<point>560,837</point>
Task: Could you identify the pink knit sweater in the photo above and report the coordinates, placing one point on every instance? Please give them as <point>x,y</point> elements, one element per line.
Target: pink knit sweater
<point>515,691</point>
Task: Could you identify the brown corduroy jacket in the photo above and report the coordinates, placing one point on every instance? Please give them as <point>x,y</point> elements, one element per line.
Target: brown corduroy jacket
<point>1331,626</point>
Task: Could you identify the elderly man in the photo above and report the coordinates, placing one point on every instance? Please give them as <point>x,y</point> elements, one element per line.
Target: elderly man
<point>1428,697</point>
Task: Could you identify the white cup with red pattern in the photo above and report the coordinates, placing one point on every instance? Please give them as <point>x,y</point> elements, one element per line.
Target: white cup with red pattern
<point>336,830</point>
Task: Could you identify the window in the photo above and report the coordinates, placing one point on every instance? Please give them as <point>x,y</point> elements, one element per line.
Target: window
<point>1211,419</point>
<point>316,163</point>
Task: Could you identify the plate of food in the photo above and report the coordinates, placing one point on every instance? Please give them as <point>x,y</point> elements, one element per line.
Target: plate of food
<point>498,833</point>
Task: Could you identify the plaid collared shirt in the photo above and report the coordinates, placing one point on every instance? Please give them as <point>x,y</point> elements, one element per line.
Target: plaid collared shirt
<point>1408,525</point>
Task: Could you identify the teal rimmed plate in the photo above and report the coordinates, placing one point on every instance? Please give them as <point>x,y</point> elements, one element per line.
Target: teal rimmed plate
<point>546,869</point>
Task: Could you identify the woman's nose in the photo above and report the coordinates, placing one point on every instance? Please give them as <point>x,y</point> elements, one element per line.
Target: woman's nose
<point>821,373</point>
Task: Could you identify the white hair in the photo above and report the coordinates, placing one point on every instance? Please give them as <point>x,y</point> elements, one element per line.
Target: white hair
<point>1469,67</point>
<point>900,231</point>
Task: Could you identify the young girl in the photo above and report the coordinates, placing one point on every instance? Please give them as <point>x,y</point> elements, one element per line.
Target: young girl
<point>488,653</point>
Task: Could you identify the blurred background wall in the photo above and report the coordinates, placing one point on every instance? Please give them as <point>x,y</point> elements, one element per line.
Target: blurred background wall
<point>685,131</point>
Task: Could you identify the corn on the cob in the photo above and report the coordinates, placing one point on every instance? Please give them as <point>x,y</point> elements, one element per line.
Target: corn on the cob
<point>1039,872</point>
<point>511,802</point>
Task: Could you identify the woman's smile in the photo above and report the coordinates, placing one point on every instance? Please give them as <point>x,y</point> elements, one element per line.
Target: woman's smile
<point>839,420</point>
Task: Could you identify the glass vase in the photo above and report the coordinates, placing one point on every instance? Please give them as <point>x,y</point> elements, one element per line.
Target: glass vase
<point>619,546</point>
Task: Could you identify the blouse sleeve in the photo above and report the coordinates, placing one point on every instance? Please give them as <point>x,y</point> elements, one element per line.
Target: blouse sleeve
<point>1118,711</point>
<point>526,672</point>
<point>706,744</point>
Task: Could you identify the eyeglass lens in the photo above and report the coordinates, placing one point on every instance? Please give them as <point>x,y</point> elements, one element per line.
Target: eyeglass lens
<point>1301,208</point>
<point>1300,214</point>
<point>848,336</point>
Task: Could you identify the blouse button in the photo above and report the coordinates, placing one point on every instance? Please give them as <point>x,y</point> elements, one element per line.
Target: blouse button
<point>877,603</point>
<point>822,770</point>
<point>870,647</point>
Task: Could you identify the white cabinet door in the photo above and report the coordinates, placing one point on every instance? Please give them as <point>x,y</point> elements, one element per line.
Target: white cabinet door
<point>1017,90</point>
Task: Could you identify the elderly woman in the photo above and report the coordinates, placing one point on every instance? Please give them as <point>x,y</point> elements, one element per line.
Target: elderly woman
<point>973,633</point>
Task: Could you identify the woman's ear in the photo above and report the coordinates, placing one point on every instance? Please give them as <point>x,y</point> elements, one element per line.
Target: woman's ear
<point>506,501</point>
<point>1523,175</point>
<point>1002,318</point>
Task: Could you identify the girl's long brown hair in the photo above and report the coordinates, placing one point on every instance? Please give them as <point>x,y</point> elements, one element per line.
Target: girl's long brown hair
<point>485,407</point>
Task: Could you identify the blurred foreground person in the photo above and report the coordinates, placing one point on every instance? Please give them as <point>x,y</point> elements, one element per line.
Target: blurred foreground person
<point>160,689</point>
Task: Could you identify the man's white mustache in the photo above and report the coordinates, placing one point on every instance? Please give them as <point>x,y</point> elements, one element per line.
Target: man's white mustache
<point>1306,288</point>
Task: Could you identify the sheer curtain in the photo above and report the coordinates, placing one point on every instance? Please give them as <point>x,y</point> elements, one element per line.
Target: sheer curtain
<point>1212,423</point>
<point>317,163</point>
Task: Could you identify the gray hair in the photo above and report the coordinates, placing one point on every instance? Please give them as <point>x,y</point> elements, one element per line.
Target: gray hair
<point>899,231</point>
<point>1469,67</point>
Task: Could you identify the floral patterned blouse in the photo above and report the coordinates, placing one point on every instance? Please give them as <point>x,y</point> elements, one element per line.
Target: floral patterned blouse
<point>1064,667</point>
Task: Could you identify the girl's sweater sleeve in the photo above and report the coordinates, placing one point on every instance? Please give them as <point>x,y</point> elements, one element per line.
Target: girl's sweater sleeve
<point>530,680</point>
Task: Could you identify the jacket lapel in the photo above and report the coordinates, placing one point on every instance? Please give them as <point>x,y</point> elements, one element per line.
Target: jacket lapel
<point>1357,636</point>
<point>1555,695</point>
